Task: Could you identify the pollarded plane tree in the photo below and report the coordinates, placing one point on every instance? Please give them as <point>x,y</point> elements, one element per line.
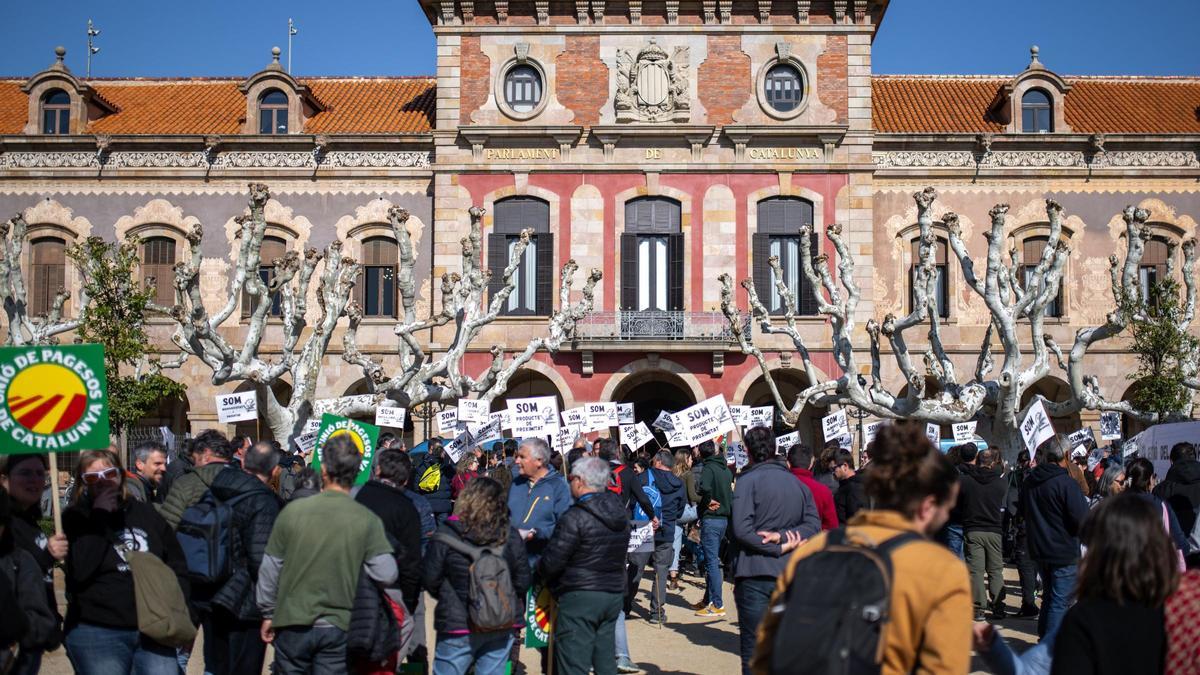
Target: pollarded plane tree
<point>1016,300</point>
<point>24,326</point>
<point>303,347</point>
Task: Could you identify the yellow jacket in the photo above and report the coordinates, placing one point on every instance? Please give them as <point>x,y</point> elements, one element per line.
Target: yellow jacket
<point>931,613</point>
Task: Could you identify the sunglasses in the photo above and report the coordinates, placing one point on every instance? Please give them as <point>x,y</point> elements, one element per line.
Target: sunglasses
<point>104,475</point>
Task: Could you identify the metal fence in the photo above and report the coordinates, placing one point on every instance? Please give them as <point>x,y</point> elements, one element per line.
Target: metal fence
<point>656,325</point>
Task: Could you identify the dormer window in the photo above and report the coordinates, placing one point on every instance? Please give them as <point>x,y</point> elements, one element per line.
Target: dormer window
<point>523,88</point>
<point>273,112</point>
<point>56,113</point>
<point>1037,114</point>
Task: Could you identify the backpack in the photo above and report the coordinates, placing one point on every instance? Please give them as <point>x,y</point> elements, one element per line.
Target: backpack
<point>490,594</point>
<point>431,478</point>
<point>653,495</point>
<point>833,612</point>
<point>614,480</point>
<point>206,535</point>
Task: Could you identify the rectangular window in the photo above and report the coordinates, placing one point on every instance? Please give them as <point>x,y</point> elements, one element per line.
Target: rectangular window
<point>266,119</point>
<point>379,290</point>
<point>787,249</point>
<point>1147,279</point>
<point>652,273</point>
<point>523,299</point>
<point>266,273</point>
<point>1053,309</point>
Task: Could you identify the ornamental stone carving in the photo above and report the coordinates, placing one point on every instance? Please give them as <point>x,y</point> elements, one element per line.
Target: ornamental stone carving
<point>652,86</point>
<point>1036,159</point>
<point>198,159</point>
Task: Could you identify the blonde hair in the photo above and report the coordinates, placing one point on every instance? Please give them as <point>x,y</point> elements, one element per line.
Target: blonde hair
<point>683,463</point>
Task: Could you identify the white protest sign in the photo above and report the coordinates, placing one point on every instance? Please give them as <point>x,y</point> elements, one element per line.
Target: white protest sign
<point>761,417</point>
<point>625,413</point>
<point>237,407</point>
<point>1081,436</point>
<point>574,417</point>
<point>1036,427</point>
<point>1110,426</point>
<point>389,416</point>
<point>565,437</point>
<point>964,431</point>
<point>448,421</point>
<point>306,441</point>
<point>785,442</point>
<point>635,436</point>
<point>664,421</point>
<point>488,433</point>
<point>1156,442</point>
<point>739,456</point>
<point>870,430</point>
<point>705,420</point>
<point>537,416</point>
<point>740,415</point>
<point>503,418</point>
<point>845,441</point>
<point>677,439</point>
<point>458,446</point>
<point>600,416</point>
<point>312,426</point>
<point>473,410</point>
<point>639,537</point>
<point>934,433</point>
<point>835,426</point>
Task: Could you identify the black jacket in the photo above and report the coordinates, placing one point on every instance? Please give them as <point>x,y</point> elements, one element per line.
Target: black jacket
<point>631,488</point>
<point>402,525</point>
<point>30,619</point>
<point>446,575</point>
<point>99,585</point>
<point>253,518</point>
<point>851,497</point>
<point>587,551</point>
<point>1053,507</point>
<point>175,469</point>
<point>674,497</point>
<point>1100,637</point>
<point>28,535</point>
<point>439,499</point>
<point>1181,490</point>
<point>982,493</point>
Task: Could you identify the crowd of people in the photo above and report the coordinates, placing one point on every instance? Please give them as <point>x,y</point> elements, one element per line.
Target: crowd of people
<point>895,558</point>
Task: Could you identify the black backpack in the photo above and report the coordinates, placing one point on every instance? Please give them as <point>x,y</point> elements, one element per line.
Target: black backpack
<point>835,608</point>
<point>207,535</point>
<point>490,593</point>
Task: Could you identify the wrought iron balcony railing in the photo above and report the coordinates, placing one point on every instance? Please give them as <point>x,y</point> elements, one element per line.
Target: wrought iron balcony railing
<point>656,326</point>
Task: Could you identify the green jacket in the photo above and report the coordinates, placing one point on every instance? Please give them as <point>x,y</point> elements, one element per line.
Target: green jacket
<point>187,490</point>
<point>716,483</point>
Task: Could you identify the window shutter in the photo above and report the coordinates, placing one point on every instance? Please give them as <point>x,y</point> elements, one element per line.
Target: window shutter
<point>807,304</point>
<point>544,292</point>
<point>675,272</point>
<point>629,271</point>
<point>497,260</point>
<point>759,255</point>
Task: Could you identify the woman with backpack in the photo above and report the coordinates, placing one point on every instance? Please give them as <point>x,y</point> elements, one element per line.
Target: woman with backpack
<point>477,605</point>
<point>103,525</point>
<point>927,599</point>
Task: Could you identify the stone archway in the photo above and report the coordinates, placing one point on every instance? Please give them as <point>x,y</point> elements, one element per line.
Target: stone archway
<point>528,383</point>
<point>1056,391</point>
<point>651,392</point>
<point>260,430</point>
<point>790,383</point>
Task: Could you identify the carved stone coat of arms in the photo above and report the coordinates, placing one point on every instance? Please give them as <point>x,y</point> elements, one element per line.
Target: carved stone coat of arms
<point>652,87</point>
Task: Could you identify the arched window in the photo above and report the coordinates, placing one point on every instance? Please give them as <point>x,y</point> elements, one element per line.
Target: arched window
<point>158,261</point>
<point>56,112</point>
<point>273,112</point>
<point>652,256</point>
<point>1037,112</point>
<point>783,87</point>
<point>376,293</point>
<point>941,284</point>
<point>47,272</point>
<point>1031,255</point>
<point>272,248</point>
<point>535,275</point>
<point>779,223</point>
<point>1153,268</point>
<point>522,88</point>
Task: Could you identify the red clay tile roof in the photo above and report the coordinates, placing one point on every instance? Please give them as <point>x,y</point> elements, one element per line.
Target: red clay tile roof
<point>1112,105</point>
<point>352,106</point>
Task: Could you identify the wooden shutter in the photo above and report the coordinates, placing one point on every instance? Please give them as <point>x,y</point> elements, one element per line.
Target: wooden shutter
<point>497,255</point>
<point>675,272</point>
<point>48,268</point>
<point>629,271</point>
<point>158,261</point>
<point>272,248</point>
<point>759,257</point>
<point>544,292</point>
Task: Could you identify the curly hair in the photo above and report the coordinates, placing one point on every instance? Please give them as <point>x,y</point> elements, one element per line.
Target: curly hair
<point>482,508</point>
<point>906,468</point>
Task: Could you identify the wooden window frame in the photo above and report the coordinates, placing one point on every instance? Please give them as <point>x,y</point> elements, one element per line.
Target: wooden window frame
<point>276,110</point>
<point>61,112</point>
<point>510,216</point>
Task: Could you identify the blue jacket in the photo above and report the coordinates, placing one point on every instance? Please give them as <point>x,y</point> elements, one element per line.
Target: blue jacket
<point>538,506</point>
<point>674,498</point>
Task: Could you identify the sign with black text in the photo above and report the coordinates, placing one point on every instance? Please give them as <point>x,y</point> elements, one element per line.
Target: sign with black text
<point>964,431</point>
<point>237,407</point>
<point>389,416</point>
<point>537,416</point>
<point>625,413</point>
<point>447,419</point>
<point>785,442</point>
<point>473,410</point>
<point>1036,428</point>
<point>835,426</point>
<point>762,416</point>
<point>740,415</point>
<point>600,416</point>
<point>705,420</point>
<point>634,436</point>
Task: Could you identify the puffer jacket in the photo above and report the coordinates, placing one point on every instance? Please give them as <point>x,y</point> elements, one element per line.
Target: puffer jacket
<point>587,552</point>
<point>446,575</point>
<point>253,518</point>
<point>187,489</point>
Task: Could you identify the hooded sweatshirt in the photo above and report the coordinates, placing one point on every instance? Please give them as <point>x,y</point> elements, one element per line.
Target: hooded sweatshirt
<point>1181,490</point>
<point>537,505</point>
<point>982,493</point>
<point>674,497</point>
<point>1053,507</point>
<point>716,484</point>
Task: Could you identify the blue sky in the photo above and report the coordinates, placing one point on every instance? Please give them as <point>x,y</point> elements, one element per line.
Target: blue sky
<point>392,37</point>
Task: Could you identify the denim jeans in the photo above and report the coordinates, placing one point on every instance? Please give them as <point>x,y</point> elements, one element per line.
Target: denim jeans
<point>1058,581</point>
<point>712,531</point>
<point>310,649</point>
<point>676,547</point>
<point>621,638</point>
<point>952,536</point>
<point>751,595</point>
<point>96,650</point>
<point>454,654</point>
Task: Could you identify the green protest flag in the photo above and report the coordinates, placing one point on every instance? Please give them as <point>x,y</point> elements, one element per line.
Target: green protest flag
<point>55,399</point>
<point>539,616</point>
<point>365,437</point>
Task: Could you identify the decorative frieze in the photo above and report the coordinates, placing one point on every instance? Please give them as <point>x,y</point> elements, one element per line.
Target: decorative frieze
<point>1036,159</point>
<point>200,159</point>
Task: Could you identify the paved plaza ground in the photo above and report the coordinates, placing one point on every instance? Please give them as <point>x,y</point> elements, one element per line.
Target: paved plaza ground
<point>687,644</point>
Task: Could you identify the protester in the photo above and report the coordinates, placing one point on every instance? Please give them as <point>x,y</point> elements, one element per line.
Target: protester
<point>673,499</point>
<point>175,468</point>
<point>384,496</point>
<point>310,570</point>
<point>622,480</point>
<point>433,480</point>
<point>1112,481</point>
<point>682,471</point>
<point>1180,489</point>
<point>912,487</point>
<point>210,455</point>
<point>480,521</point>
<point>800,459</point>
<point>584,566</point>
<point>499,470</point>
<point>1053,507</point>
<point>1140,481</point>
<point>539,496</point>
<point>102,525</point>
<point>466,470</point>
<point>982,500</point>
<point>238,446</point>
<point>1027,571</point>
<point>149,465</point>
<point>400,466</point>
<point>851,494</point>
<point>772,514</point>
<point>29,624</point>
<point>823,468</point>
<point>715,507</point>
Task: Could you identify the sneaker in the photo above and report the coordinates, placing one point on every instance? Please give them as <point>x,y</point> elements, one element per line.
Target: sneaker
<point>711,611</point>
<point>626,665</point>
<point>699,605</point>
